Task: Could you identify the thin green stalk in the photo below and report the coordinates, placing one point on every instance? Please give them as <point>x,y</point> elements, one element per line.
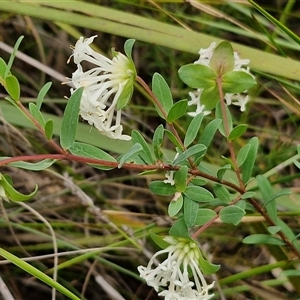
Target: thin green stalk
<point>37,273</point>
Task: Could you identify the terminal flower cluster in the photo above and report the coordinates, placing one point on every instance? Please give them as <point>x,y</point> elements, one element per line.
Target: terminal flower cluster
<point>104,85</point>
<point>179,276</point>
<point>236,99</point>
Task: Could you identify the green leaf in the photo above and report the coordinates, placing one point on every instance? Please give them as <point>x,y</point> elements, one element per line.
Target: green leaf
<point>263,239</point>
<point>281,193</point>
<point>237,131</point>
<point>231,214</point>
<point>177,111</point>
<point>180,178</point>
<point>198,194</point>
<point>49,129</point>
<point>173,139</point>
<point>195,149</point>
<point>70,120</point>
<point>145,154</point>
<point>222,60</point>
<point>136,148</point>
<point>13,55</point>
<point>267,193</point>
<point>222,193</point>
<point>207,267</point>
<point>242,155</point>
<point>193,130</point>
<point>12,87</point>
<point>128,47</point>
<point>237,82</point>
<point>248,164</point>
<point>13,194</point>
<point>290,273</point>
<point>198,181</point>
<point>158,240</point>
<point>197,76</point>
<point>277,23</point>
<point>126,95</point>
<point>180,229</point>
<point>163,189</point>
<point>38,166</point>
<point>158,138</point>
<point>222,170</point>
<point>274,229</point>
<point>42,93</point>
<point>163,93</point>
<point>175,206</point>
<point>190,209</point>
<point>90,151</point>
<point>3,67</point>
<point>204,215</point>
<point>208,133</point>
<point>210,97</point>
<point>248,195</point>
<point>36,113</point>
<point>37,273</point>
<point>241,204</point>
<point>288,232</point>
<point>219,115</point>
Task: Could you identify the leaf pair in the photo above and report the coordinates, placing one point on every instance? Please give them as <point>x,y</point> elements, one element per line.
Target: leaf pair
<point>219,73</point>
<point>9,81</point>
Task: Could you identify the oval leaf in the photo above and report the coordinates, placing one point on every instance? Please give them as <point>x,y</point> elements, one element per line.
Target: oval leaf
<point>248,164</point>
<point>222,60</point>
<point>262,239</point>
<point>237,131</point>
<point>41,165</point>
<point>237,82</point>
<point>196,149</point>
<point>231,214</point>
<point>70,120</point>
<point>49,129</point>
<point>193,130</point>
<point>198,194</point>
<point>222,193</point>
<point>197,76</point>
<point>204,215</point>
<point>145,154</point>
<point>131,152</point>
<point>180,178</point>
<point>177,111</point>
<point>12,87</point>
<point>161,188</point>
<point>163,93</point>
<point>175,206</point>
<point>190,209</point>
<point>91,151</point>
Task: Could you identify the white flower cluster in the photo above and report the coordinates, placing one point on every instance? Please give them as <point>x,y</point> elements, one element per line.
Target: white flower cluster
<point>236,99</point>
<point>173,274</point>
<point>103,86</point>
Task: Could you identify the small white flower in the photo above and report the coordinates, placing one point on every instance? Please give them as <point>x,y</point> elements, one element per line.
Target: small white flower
<point>236,99</point>
<point>206,54</point>
<point>195,100</point>
<point>104,86</point>
<point>170,174</point>
<point>172,275</point>
<point>169,177</point>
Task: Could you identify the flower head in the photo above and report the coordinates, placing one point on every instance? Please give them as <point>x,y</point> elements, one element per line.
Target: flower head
<point>108,87</point>
<point>236,99</point>
<point>174,273</point>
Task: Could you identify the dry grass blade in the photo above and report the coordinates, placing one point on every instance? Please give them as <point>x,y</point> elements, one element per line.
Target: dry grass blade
<point>4,291</point>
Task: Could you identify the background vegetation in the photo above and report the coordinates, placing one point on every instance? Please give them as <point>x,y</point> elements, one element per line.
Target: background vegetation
<point>101,247</point>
